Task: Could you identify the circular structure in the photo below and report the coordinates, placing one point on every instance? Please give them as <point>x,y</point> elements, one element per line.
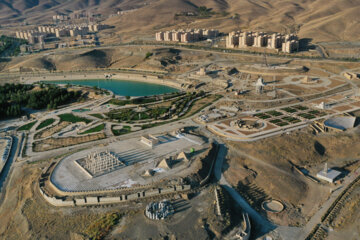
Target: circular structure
<point>248,124</point>
<point>305,80</point>
<point>159,210</point>
<point>340,123</point>
<point>273,206</point>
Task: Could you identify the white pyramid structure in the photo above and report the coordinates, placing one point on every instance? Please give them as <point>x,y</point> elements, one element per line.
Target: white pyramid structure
<point>148,173</point>
<point>182,156</point>
<point>165,164</point>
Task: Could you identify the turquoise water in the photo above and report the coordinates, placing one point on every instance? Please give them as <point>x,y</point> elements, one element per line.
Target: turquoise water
<point>123,87</point>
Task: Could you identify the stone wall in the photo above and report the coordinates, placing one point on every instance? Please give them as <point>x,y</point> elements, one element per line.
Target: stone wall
<point>98,200</point>
<point>120,76</point>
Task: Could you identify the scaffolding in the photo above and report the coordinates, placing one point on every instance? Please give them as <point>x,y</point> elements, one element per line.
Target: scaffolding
<point>102,162</point>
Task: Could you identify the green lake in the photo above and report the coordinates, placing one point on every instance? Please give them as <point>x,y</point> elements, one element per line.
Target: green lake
<point>123,87</point>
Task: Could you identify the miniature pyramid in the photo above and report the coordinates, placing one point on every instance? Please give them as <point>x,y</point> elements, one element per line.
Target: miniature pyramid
<point>182,156</point>
<point>306,79</point>
<point>148,173</point>
<point>165,164</point>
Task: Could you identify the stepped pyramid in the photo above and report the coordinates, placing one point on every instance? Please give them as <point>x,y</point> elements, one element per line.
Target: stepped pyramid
<point>165,164</point>
<point>182,156</point>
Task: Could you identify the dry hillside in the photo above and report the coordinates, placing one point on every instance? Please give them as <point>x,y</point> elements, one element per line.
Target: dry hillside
<point>262,169</point>
<point>321,20</point>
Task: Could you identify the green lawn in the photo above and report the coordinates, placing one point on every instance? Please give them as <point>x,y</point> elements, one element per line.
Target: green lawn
<point>262,116</point>
<point>289,110</point>
<point>27,127</point>
<point>97,115</point>
<point>131,115</point>
<point>306,115</point>
<point>45,123</point>
<point>274,113</point>
<point>282,124</point>
<point>140,116</point>
<point>124,130</point>
<point>301,108</point>
<point>98,128</point>
<point>291,119</point>
<point>69,117</point>
<point>275,121</point>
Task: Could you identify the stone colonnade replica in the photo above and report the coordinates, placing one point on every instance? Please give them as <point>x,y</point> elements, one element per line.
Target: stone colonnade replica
<point>97,163</point>
<point>287,43</point>
<point>159,210</point>
<point>149,140</point>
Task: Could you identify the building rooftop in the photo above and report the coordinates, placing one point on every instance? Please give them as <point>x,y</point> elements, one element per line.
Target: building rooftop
<point>329,175</point>
<point>341,123</point>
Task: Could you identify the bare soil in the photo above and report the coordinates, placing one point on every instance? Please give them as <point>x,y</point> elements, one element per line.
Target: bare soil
<point>54,143</point>
<point>24,213</point>
<point>263,170</point>
<point>193,219</point>
<point>50,131</point>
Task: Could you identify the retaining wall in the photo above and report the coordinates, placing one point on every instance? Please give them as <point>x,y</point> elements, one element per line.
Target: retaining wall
<point>98,200</point>
<point>120,76</point>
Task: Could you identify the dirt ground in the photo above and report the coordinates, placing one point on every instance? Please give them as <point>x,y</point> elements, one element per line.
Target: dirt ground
<point>165,59</point>
<point>50,131</point>
<point>346,224</point>
<point>24,213</point>
<point>54,143</point>
<point>200,104</point>
<point>262,170</point>
<point>188,222</point>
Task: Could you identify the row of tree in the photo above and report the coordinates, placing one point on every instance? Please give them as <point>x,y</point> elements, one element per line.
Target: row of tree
<point>10,46</point>
<point>15,97</point>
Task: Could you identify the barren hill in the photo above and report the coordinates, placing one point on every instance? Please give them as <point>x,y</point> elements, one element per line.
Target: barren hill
<point>321,20</point>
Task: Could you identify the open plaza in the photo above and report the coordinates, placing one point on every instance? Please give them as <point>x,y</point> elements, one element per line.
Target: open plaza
<point>136,159</point>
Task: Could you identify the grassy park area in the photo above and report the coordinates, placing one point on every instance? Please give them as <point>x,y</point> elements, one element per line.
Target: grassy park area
<point>27,127</point>
<point>45,123</point>
<point>98,128</point>
<point>68,117</point>
<point>123,130</point>
<point>97,115</point>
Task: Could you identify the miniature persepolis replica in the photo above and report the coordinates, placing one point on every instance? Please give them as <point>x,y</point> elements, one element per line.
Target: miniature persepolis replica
<point>96,163</point>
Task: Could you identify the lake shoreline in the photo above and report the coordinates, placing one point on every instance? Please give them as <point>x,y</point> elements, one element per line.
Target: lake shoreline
<point>118,76</point>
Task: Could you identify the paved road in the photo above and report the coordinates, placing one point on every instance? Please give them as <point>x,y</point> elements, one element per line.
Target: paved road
<point>4,174</point>
<point>316,218</point>
<point>265,227</point>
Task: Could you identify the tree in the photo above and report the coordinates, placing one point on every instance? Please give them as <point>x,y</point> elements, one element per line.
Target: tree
<point>148,55</point>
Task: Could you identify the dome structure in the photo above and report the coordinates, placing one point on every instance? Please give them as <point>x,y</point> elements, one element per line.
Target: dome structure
<point>340,123</point>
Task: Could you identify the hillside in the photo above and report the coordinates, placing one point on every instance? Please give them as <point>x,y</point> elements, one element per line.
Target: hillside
<point>320,20</point>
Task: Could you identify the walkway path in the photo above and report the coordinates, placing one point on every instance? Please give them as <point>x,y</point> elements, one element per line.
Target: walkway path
<point>316,219</point>
<point>266,226</point>
<point>254,159</point>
